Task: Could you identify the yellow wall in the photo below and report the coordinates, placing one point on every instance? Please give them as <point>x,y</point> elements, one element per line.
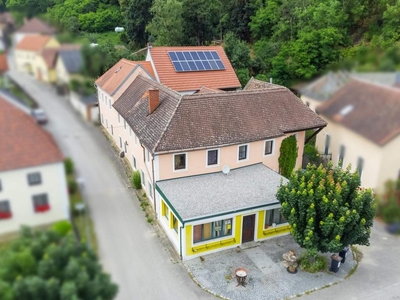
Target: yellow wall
<point>52,43</point>
<point>263,233</point>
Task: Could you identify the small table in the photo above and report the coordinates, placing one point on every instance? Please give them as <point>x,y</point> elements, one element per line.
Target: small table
<point>241,275</point>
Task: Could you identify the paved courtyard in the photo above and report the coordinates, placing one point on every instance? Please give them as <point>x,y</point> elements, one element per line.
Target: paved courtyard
<point>267,277</point>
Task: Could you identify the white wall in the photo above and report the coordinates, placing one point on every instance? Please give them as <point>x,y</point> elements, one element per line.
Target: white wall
<point>18,192</point>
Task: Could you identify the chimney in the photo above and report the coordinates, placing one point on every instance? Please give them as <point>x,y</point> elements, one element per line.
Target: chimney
<point>154,100</point>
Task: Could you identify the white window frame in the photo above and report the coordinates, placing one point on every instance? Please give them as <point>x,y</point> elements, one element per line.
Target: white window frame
<point>247,153</point>
<point>109,102</point>
<point>134,166</point>
<point>143,179</point>
<point>148,155</point>
<point>273,147</point>
<point>218,155</point>
<point>150,192</point>
<point>186,162</point>
<point>130,131</point>
<point>119,117</point>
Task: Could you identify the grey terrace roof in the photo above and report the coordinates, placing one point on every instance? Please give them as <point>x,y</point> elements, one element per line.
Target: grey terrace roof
<point>206,195</point>
<point>91,99</point>
<point>72,60</point>
<point>255,84</point>
<point>212,119</point>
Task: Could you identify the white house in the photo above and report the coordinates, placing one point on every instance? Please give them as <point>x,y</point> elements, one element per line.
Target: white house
<point>33,189</point>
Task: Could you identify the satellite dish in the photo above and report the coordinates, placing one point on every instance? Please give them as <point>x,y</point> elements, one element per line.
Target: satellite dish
<point>226,169</point>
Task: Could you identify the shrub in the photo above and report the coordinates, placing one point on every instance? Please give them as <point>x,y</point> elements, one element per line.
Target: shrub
<point>62,227</point>
<point>288,156</point>
<point>69,166</point>
<point>319,264</point>
<point>72,186</point>
<point>136,180</point>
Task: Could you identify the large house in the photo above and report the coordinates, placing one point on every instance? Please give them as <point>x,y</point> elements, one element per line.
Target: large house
<point>36,55</point>
<point>33,188</point>
<point>208,160</point>
<point>363,130</point>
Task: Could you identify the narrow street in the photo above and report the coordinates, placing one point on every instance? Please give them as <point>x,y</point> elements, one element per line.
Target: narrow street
<point>129,247</point>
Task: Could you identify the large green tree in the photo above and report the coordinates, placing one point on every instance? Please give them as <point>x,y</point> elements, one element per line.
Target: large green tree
<point>44,265</point>
<point>29,7</point>
<point>327,209</point>
<point>166,27</point>
<point>137,16</point>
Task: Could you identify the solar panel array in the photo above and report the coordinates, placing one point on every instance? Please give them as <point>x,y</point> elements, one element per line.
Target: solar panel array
<point>187,61</point>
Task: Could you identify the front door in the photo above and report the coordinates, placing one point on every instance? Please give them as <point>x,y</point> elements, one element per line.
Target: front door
<point>248,228</point>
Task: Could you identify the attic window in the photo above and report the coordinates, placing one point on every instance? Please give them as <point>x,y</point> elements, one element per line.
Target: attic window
<point>345,110</point>
<point>117,70</point>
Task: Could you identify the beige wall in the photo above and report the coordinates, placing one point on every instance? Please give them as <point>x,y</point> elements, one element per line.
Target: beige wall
<point>313,104</point>
<point>390,165</point>
<point>61,71</point>
<point>24,58</point>
<point>356,146</point>
<point>197,160</point>
<point>18,192</point>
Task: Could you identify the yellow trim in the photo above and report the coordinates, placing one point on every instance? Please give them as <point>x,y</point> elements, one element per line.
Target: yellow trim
<point>276,231</point>
<point>260,225</point>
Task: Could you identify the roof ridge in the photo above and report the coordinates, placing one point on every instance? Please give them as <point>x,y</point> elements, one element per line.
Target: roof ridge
<point>392,88</point>
<point>164,87</point>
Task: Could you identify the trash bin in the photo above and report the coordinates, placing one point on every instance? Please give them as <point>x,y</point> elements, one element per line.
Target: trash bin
<point>335,263</point>
<point>343,254</point>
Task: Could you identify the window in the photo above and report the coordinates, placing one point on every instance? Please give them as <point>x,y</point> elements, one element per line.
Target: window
<point>109,103</point>
<point>5,210</point>
<point>175,223</point>
<point>130,131</point>
<point>120,142</point>
<point>212,157</point>
<point>150,190</point>
<point>165,210</point>
<point>242,152</point>
<point>136,140</point>
<point>134,161</point>
<point>143,179</point>
<point>268,147</point>
<point>106,123</point>
<point>273,216</point>
<point>327,142</point>
<point>40,203</point>
<point>102,119</point>
<point>124,124</point>
<point>212,230</point>
<point>125,146</point>
<point>180,161</point>
<point>34,178</point>
<point>119,118</point>
<point>342,151</point>
<point>148,155</point>
<point>1,187</point>
<point>360,166</point>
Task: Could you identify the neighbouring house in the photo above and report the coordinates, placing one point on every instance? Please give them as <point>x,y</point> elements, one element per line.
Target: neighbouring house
<point>6,28</point>
<point>33,26</point>
<point>323,88</point>
<point>363,130</point>
<point>69,63</point>
<point>188,69</point>
<point>33,188</point>
<point>36,55</point>
<point>208,161</point>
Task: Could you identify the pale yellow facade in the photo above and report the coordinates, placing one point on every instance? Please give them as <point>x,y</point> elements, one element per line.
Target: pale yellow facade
<point>310,102</point>
<point>32,63</point>
<point>380,163</point>
<point>61,71</point>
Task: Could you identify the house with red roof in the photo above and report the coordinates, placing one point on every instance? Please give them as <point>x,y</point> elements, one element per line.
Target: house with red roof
<point>33,188</point>
<point>33,26</point>
<point>363,130</point>
<point>207,153</point>
<point>36,55</point>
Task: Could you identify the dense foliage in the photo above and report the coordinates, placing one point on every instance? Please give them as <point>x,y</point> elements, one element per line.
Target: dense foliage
<point>48,266</point>
<point>288,156</point>
<point>327,209</point>
<point>389,202</point>
<point>286,39</point>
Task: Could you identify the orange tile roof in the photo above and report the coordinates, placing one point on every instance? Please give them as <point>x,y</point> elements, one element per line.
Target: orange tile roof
<point>33,42</point>
<point>23,142</point>
<point>190,81</point>
<point>3,63</point>
<point>110,80</point>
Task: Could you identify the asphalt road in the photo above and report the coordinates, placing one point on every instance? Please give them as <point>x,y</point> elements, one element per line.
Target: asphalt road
<point>129,247</point>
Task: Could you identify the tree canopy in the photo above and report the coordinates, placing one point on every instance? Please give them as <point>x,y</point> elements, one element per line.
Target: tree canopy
<point>43,265</point>
<point>327,209</point>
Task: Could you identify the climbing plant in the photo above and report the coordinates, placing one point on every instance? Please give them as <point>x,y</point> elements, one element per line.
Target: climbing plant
<point>288,156</point>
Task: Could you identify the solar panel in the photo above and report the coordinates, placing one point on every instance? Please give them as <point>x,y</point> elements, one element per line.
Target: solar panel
<point>186,61</point>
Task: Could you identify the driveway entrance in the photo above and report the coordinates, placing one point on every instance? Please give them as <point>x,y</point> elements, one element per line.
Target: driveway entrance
<point>248,228</point>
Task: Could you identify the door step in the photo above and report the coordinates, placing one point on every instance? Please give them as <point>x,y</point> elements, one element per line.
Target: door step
<point>249,245</point>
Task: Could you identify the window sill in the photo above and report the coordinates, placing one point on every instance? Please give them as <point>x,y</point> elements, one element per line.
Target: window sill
<point>5,215</point>
<point>42,208</point>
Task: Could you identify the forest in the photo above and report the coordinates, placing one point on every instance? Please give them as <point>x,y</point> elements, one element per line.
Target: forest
<point>288,40</point>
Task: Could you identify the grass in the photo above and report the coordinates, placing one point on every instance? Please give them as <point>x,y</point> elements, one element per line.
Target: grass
<point>15,90</point>
<point>320,264</point>
<point>80,223</point>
